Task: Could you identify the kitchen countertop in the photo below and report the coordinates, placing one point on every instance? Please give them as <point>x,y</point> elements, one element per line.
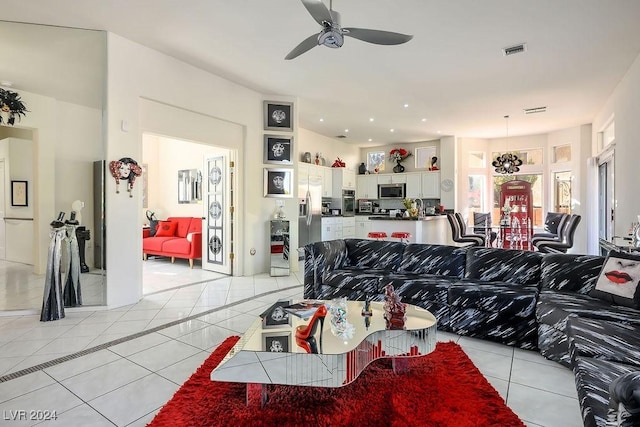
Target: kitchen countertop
<point>388,218</point>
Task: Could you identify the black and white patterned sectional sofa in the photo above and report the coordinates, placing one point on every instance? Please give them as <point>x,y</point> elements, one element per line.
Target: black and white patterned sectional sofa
<point>526,299</point>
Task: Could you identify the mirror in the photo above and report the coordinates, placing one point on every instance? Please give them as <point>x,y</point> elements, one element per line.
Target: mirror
<point>189,186</point>
<point>60,74</point>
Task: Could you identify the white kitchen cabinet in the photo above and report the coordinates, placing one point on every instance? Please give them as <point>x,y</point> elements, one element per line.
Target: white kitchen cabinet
<point>367,187</point>
<point>303,176</point>
<point>392,178</point>
<point>327,182</point>
<point>329,228</point>
<point>348,227</point>
<point>343,178</point>
<point>414,185</point>
<point>423,185</point>
<point>430,185</point>
<point>363,227</point>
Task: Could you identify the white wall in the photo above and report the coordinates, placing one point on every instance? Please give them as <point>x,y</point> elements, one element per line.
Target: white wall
<point>410,163</point>
<point>139,76</point>
<point>330,148</point>
<point>624,106</point>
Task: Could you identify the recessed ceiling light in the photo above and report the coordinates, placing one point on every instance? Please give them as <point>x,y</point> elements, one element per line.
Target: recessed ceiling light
<point>322,120</point>
<point>423,120</point>
<point>406,105</point>
<point>370,139</point>
<point>392,130</point>
<point>371,119</point>
<point>438,132</point>
<point>346,130</point>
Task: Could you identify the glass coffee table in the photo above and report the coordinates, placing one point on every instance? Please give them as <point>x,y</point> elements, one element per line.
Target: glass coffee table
<point>269,353</point>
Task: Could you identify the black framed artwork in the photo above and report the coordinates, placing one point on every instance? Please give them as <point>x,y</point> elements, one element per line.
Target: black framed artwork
<point>275,316</point>
<point>277,149</point>
<point>19,193</point>
<point>276,342</point>
<point>278,182</point>
<point>278,116</point>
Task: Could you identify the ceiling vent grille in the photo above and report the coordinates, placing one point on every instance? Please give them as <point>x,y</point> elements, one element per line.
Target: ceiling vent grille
<point>512,50</point>
<point>341,136</point>
<point>535,110</point>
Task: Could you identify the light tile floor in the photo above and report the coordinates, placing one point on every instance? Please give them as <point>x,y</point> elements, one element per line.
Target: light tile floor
<point>126,383</point>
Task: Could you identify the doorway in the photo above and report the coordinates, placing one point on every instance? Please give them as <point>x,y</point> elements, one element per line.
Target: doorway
<point>606,196</point>
<point>165,159</point>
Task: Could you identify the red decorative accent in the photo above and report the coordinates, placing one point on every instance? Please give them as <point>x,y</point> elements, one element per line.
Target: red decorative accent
<point>303,332</point>
<point>442,388</point>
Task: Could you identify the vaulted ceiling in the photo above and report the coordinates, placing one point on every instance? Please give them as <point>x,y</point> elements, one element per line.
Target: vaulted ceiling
<point>452,75</point>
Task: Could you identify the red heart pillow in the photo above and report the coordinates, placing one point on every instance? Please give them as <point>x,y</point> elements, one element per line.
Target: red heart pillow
<point>166,229</point>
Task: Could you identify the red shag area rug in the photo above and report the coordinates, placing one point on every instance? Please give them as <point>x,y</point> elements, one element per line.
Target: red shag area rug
<point>443,388</point>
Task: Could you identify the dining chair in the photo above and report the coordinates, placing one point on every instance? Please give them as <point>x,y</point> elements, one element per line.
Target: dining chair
<point>565,242</point>
<point>457,234</point>
<point>482,225</point>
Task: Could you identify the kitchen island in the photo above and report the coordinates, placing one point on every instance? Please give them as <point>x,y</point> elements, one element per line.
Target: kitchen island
<point>430,229</point>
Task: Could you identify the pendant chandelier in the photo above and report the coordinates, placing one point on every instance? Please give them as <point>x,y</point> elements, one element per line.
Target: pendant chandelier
<point>508,162</point>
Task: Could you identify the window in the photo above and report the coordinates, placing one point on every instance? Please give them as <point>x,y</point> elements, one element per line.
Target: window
<point>423,157</point>
<point>375,160</point>
<point>528,157</point>
<point>562,192</point>
<point>536,189</point>
<point>475,194</point>
<point>562,153</point>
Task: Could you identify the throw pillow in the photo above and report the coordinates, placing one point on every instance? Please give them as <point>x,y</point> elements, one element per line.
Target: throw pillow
<point>619,279</point>
<point>166,229</point>
<point>153,227</point>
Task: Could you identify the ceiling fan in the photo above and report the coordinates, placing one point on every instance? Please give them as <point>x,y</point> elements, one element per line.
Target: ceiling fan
<point>332,35</point>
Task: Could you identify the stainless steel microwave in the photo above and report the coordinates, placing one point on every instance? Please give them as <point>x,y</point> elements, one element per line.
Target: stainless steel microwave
<point>392,191</point>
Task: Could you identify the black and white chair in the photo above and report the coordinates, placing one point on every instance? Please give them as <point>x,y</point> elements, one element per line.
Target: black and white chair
<point>564,242</point>
<point>482,225</point>
<point>554,222</point>
<point>457,227</point>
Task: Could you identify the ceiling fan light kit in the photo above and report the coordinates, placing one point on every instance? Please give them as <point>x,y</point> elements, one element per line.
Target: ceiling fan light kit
<point>332,34</point>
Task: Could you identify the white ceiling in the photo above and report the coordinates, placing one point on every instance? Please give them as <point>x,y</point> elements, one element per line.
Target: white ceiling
<point>452,73</point>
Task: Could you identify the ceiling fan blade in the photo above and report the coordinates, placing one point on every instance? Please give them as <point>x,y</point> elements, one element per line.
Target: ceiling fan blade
<point>376,36</point>
<point>318,11</point>
<point>307,44</point>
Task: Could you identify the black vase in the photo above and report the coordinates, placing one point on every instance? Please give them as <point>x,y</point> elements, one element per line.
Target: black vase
<point>362,169</point>
<point>398,168</point>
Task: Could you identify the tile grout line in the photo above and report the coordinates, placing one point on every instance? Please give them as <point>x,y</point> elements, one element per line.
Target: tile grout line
<point>103,346</point>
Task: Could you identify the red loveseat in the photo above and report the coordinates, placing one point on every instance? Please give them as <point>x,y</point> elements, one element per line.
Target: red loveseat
<point>177,237</point>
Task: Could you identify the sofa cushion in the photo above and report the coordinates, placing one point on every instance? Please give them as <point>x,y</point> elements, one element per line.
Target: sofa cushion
<point>555,307</point>
<point>354,278</point>
<point>503,265</point>
<point>570,272</point>
<point>619,280</point>
<point>176,246</point>
<point>433,259</point>
<point>183,224</point>
<point>602,339</point>
<point>494,297</point>
<point>166,229</point>
<point>593,378</point>
<point>154,244</point>
<point>374,253</point>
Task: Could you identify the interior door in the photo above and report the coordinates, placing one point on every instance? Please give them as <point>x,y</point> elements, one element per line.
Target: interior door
<point>606,198</point>
<point>217,230</point>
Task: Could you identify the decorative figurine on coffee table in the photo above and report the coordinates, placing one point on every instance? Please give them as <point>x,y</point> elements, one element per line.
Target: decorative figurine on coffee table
<point>394,309</point>
<point>340,327</point>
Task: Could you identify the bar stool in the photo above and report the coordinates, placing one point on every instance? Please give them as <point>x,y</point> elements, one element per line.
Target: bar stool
<point>378,235</point>
<point>402,235</point>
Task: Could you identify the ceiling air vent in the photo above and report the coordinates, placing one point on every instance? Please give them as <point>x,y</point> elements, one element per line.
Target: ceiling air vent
<point>512,50</point>
<point>535,110</point>
<point>341,136</point>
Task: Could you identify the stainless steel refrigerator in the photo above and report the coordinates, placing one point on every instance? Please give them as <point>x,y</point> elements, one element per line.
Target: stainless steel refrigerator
<point>310,211</point>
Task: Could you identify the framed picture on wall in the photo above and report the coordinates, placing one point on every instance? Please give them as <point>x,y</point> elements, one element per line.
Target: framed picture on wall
<point>19,193</point>
<point>278,182</point>
<point>278,116</point>
<point>277,149</point>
